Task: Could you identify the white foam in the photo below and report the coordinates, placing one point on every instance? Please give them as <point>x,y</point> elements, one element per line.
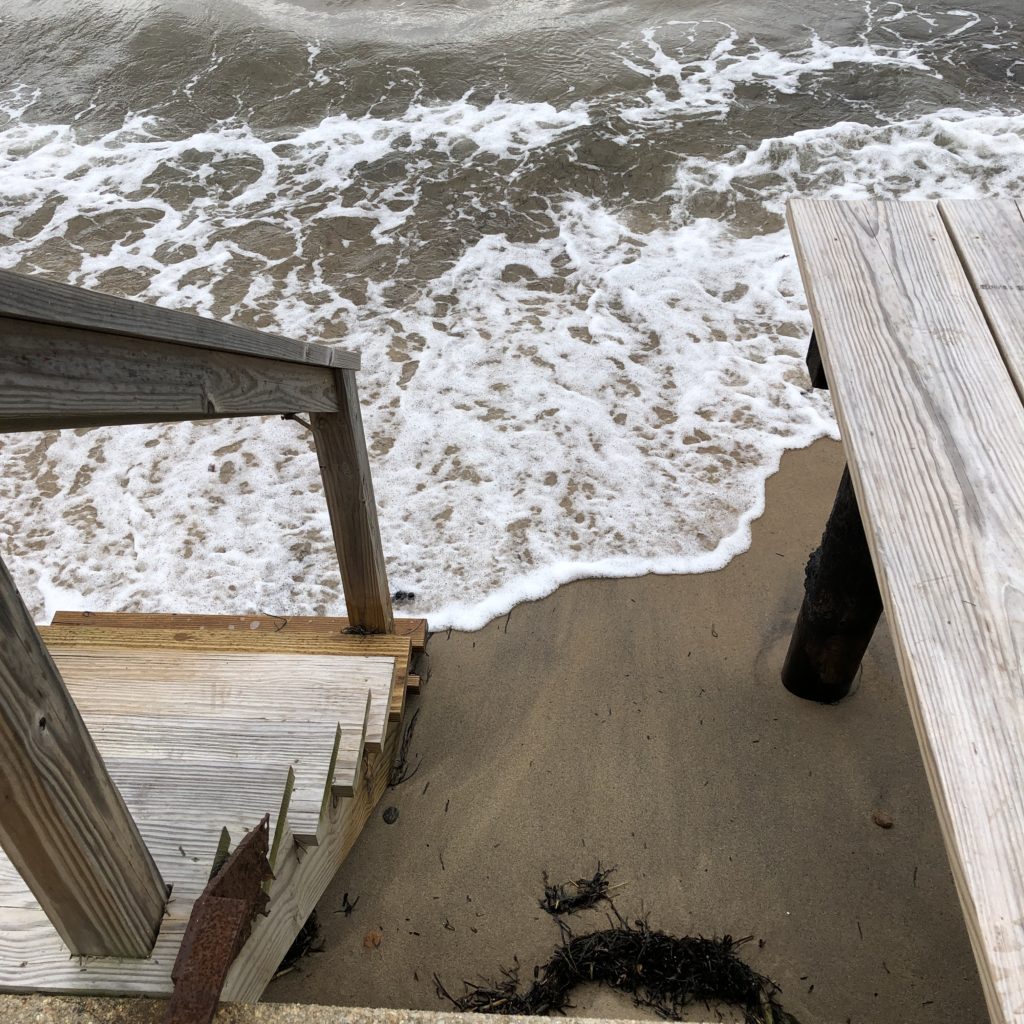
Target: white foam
<point>708,83</point>
<point>606,400</point>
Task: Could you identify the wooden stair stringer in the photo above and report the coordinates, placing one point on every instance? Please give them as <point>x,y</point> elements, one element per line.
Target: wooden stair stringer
<point>307,876</point>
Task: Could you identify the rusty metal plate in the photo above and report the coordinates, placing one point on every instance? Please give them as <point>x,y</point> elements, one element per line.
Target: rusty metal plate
<point>218,927</point>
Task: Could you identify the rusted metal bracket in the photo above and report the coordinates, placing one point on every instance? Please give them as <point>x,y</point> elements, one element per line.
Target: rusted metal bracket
<point>220,923</point>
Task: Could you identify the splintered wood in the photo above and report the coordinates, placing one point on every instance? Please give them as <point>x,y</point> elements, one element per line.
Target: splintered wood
<point>204,726</point>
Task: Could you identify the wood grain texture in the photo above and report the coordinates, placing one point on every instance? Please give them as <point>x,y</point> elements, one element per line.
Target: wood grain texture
<point>934,434</point>
<point>35,298</point>
<point>348,488</point>
<point>230,685</point>
<point>414,629</point>
<point>64,823</point>
<point>323,756</point>
<point>185,779</point>
<point>53,377</point>
<point>254,642</point>
<point>989,238</point>
<point>244,641</point>
<point>304,880</point>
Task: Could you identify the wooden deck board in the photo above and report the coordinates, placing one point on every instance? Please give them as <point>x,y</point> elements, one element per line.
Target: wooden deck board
<point>249,683</point>
<point>989,238</point>
<point>300,641</point>
<point>934,432</point>
<point>414,629</point>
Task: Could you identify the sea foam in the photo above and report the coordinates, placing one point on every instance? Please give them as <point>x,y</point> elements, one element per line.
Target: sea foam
<point>602,393</point>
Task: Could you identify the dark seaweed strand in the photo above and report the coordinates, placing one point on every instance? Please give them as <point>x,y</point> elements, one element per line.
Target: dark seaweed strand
<point>663,972</point>
<point>303,944</point>
<point>569,897</point>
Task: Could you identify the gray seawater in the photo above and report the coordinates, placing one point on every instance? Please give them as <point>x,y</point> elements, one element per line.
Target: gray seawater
<point>553,229</point>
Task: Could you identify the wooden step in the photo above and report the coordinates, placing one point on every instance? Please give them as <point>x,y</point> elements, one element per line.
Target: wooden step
<point>189,646</point>
<point>414,630</point>
<point>233,702</point>
<point>323,757</point>
<point>198,741</point>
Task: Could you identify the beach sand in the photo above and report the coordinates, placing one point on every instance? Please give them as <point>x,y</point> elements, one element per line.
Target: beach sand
<point>641,724</point>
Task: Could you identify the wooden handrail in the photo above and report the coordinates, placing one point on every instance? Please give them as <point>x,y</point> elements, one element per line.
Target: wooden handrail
<point>74,358</point>
<point>54,377</point>
<point>36,299</point>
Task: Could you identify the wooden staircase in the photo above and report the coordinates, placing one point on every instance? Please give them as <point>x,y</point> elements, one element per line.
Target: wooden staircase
<point>132,745</point>
<point>206,723</point>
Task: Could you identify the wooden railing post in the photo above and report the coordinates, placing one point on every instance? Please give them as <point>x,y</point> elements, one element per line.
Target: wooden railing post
<point>63,823</point>
<point>348,487</point>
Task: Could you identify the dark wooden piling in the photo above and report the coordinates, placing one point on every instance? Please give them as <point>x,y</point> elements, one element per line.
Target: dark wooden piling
<point>815,367</point>
<point>841,608</point>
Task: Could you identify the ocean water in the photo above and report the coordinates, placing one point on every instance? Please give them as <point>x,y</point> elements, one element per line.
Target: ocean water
<point>553,230</point>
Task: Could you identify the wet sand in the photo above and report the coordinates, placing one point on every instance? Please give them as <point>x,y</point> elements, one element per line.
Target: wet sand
<point>641,723</point>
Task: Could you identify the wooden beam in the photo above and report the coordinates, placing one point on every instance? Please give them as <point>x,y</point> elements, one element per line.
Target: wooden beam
<point>35,298</point>
<point>348,487</point>
<point>64,824</point>
<point>413,629</point>
<point>53,377</point>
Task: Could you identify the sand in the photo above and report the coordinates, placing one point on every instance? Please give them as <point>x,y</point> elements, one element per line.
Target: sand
<point>641,723</point>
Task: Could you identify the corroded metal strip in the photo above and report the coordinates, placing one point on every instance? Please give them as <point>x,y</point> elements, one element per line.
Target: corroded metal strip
<point>218,927</point>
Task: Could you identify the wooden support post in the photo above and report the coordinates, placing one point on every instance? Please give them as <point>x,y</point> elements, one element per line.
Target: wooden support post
<point>63,823</point>
<point>815,367</point>
<point>841,608</point>
<point>348,487</point>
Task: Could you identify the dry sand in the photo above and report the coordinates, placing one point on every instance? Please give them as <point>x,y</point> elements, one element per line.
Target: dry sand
<point>641,723</point>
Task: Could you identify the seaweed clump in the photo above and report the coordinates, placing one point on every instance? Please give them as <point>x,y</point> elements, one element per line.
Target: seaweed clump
<point>664,973</point>
<point>569,897</point>
<point>305,942</point>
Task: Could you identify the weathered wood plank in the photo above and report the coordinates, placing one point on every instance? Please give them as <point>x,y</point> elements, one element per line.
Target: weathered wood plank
<point>64,824</point>
<point>37,299</point>
<point>249,641</point>
<point>989,237</point>
<point>934,434</point>
<point>304,746</point>
<point>53,377</point>
<point>414,629</point>
<point>298,744</point>
<point>351,647</point>
<point>396,699</point>
<point>348,488</point>
<point>181,810</point>
<point>228,685</point>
